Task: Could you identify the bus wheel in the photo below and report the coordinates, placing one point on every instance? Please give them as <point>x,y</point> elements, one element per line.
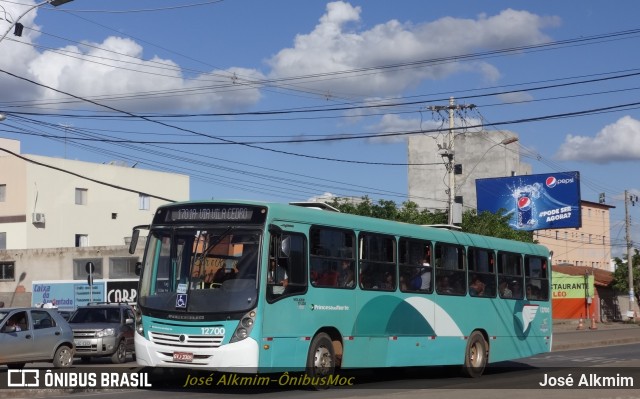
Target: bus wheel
<point>321,361</point>
<point>476,355</point>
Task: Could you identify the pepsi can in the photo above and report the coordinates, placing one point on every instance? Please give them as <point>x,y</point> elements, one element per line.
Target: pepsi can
<point>524,205</point>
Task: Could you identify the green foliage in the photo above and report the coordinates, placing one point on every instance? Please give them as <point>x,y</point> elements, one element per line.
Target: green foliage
<point>489,224</point>
<point>494,225</point>
<point>620,280</point>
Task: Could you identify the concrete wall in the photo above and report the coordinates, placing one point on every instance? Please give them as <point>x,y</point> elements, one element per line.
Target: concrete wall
<point>481,156</point>
<point>53,264</point>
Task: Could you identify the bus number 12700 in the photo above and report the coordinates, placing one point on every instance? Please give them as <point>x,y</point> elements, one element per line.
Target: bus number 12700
<point>212,331</point>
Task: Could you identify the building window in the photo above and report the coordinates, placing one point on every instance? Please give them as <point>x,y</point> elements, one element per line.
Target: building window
<point>3,240</point>
<point>82,240</point>
<point>81,196</point>
<point>3,192</point>
<point>122,267</point>
<point>7,271</point>
<point>144,202</point>
<point>80,268</point>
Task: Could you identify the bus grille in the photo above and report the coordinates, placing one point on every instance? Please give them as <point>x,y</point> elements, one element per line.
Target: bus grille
<point>186,340</point>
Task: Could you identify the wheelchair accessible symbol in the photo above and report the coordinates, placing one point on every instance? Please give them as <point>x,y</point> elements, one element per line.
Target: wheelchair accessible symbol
<point>181,301</point>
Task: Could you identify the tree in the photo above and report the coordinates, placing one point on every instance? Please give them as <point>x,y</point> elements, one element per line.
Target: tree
<point>620,280</point>
<point>487,223</point>
<point>494,225</point>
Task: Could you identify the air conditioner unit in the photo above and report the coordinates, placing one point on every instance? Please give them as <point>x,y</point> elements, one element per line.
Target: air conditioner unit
<point>37,217</point>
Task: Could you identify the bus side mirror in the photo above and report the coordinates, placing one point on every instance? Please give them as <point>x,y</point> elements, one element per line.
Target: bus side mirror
<point>134,241</point>
<point>138,268</point>
<point>285,247</point>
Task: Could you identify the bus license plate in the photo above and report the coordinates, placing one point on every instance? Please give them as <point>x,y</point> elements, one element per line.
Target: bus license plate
<point>186,357</point>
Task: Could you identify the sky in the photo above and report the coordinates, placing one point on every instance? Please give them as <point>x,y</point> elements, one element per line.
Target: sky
<point>289,100</point>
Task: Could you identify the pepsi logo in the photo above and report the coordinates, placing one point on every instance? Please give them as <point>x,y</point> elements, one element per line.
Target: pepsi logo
<point>551,182</point>
<point>524,203</point>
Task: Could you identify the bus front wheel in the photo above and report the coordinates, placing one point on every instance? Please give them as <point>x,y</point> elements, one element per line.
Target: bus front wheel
<point>321,360</point>
<point>476,355</point>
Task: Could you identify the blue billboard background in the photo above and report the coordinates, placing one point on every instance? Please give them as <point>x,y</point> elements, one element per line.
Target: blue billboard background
<point>66,295</point>
<point>533,202</point>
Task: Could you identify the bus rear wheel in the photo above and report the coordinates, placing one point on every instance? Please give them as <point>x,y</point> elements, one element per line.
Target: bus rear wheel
<point>476,355</point>
<point>321,360</point>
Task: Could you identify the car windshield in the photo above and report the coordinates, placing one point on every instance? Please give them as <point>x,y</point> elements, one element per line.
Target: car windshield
<point>96,315</point>
<point>212,271</point>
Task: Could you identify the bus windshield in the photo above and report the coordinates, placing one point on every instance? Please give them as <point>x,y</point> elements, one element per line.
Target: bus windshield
<point>200,271</point>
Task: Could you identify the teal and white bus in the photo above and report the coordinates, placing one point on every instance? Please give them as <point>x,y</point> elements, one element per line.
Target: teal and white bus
<point>262,287</point>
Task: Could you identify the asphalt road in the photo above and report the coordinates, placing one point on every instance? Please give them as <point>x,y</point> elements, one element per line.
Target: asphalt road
<point>522,378</point>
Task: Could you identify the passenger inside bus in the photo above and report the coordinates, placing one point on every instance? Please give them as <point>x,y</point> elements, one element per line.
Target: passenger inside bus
<point>443,286</point>
<point>346,277</point>
<point>505,292</point>
<point>388,283</point>
<point>476,288</point>
<point>277,277</point>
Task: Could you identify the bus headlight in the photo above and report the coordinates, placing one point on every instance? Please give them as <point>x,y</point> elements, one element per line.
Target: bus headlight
<point>244,327</point>
<point>139,328</point>
<point>247,322</point>
<point>241,333</point>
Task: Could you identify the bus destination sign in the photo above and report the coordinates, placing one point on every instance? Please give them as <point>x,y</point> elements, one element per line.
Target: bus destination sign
<point>212,213</point>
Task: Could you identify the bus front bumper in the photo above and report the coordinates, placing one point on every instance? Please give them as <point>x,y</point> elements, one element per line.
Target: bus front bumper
<point>239,357</point>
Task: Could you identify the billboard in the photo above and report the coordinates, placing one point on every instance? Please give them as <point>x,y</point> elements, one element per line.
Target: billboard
<point>69,294</point>
<point>66,295</point>
<point>533,202</point>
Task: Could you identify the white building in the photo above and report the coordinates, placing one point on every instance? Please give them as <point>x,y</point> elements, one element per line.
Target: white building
<point>476,155</point>
<point>41,206</point>
<point>58,214</point>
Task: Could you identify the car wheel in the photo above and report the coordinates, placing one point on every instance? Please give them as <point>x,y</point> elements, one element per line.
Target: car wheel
<point>120,355</point>
<point>63,357</point>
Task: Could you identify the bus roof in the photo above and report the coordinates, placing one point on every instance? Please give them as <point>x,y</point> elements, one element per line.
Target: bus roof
<point>317,215</point>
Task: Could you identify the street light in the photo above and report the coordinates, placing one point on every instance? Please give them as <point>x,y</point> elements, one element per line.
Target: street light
<point>54,3</point>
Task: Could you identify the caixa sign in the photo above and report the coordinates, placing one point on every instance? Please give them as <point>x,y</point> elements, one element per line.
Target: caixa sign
<point>122,291</point>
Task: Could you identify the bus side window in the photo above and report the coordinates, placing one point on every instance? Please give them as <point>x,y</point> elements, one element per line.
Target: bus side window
<point>292,267</point>
<point>510,271</point>
<point>451,275</point>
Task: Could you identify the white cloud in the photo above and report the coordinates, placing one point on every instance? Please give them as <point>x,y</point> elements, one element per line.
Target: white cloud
<point>115,68</point>
<point>394,124</point>
<point>619,141</point>
<point>515,97</point>
<point>332,47</point>
<point>335,44</point>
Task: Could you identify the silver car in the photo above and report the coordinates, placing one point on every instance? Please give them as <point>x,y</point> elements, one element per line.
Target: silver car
<point>35,335</point>
<point>104,329</point>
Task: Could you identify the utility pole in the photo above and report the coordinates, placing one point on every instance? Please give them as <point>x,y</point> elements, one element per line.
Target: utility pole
<point>627,218</point>
<point>447,149</point>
